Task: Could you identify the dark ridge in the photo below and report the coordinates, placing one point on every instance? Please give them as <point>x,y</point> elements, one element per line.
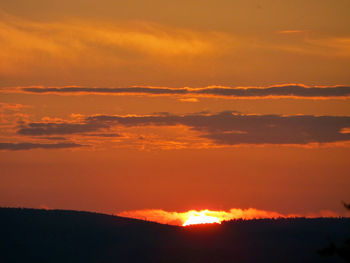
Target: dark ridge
<point>32,235</point>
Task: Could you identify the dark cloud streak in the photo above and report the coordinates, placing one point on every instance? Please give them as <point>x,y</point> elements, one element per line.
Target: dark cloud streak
<point>137,90</point>
<point>225,128</point>
<point>290,90</point>
<point>232,129</point>
<point>38,129</point>
<point>31,146</point>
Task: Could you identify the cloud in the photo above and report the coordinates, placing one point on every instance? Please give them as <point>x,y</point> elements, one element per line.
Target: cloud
<point>118,51</point>
<point>345,130</point>
<point>277,91</point>
<point>140,36</point>
<point>106,135</point>
<point>11,107</point>
<point>29,146</point>
<point>179,218</point>
<point>74,42</point>
<point>84,90</point>
<point>11,113</point>
<point>292,31</point>
<point>54,138</point>
<point>38,129</point>
<point>225,128</point>
<point>288,90</point>
<point>188,100</point>
<point>336,46</point>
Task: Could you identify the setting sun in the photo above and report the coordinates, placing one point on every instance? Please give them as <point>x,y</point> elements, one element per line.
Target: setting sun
<point>200,218</point>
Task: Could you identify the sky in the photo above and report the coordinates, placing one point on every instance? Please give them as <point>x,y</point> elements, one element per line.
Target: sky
<point>140,108</point>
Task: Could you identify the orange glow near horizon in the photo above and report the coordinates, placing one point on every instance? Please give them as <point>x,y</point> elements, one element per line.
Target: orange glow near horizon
<point>207,216</point>
<point>201,218</point>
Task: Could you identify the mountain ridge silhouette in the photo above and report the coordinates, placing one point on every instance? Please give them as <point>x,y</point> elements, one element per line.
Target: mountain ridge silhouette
<point>39,235</point>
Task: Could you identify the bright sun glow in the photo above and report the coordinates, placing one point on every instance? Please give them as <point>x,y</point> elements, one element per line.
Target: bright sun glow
<point>206,216</point>
<point>200,218</point>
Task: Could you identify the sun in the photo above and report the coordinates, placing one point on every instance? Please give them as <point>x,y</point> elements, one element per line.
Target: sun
<point>195,218</point>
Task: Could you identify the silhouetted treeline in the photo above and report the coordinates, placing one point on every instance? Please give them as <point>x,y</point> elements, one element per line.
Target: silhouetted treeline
<point>341,251</point>
<point>29,235</point>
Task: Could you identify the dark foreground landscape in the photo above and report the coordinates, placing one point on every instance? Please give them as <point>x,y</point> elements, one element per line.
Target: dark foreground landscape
<point>30,235</point>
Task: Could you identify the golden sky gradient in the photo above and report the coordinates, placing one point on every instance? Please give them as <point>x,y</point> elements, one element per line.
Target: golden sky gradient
<point>119,106</point>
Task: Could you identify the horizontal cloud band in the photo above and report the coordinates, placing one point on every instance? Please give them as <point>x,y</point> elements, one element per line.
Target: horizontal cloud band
<point>290,90</point>
<point>225,128</point>
<point>30,146</point>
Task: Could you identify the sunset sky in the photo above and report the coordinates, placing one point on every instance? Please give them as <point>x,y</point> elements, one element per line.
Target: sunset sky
<point>141,107</point>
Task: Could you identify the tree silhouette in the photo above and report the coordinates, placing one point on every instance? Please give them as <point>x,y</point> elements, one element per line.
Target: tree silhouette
<point>342,251</point>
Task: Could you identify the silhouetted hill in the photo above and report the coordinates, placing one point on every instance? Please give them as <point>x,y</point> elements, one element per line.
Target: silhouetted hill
<point>31,235</point>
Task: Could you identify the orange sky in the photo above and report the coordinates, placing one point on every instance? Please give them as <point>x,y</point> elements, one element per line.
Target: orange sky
<point>116,106</point>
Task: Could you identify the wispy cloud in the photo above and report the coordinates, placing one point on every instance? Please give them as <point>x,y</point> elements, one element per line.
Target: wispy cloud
<point>124,52</point>
<point>225,128</point>
<point>11,113</point>
<point>74,41</point>
<point>38,129</point>
<point>291,31</point>
<point>30,146</point>
<point>188,99</point>
<point>277,91</point>
<point>11,106</point>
